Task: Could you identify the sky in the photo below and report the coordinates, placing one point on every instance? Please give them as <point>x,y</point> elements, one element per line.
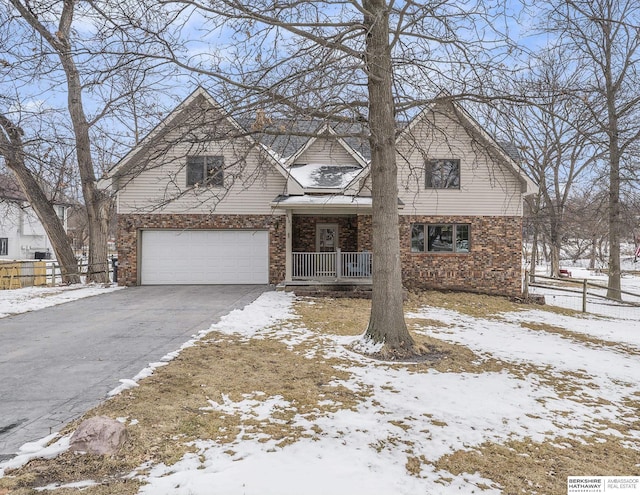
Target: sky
<point>354,447</point>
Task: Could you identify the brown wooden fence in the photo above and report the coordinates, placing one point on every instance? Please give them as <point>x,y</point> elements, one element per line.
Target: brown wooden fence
<point>583,287</point>
<point>31,273</point>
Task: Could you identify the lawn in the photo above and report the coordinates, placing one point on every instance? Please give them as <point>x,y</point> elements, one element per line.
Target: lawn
<point>274,399</point>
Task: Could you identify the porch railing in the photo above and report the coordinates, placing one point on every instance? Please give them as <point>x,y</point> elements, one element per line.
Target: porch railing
<point>333,265</point>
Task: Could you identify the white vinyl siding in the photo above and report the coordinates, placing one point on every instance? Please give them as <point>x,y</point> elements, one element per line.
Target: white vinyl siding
<point>250,186</point>
<point>204,257</point>
<point>487,185</point>
<point>251,180</point>
<point>327,151</point>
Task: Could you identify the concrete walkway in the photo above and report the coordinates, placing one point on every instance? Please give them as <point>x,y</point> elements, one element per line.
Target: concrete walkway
<point>58,362</point>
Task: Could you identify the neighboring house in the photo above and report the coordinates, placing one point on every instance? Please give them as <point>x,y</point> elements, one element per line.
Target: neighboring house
<point>201,201</point>
<point>22,236</point>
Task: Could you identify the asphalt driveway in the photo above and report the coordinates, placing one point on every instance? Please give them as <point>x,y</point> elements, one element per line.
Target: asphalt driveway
<point>58,362</point>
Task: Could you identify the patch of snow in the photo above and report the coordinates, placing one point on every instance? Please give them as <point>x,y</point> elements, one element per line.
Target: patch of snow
<point>367,346</point>
<point>16,301</point>
<point>265,311</point>
<point>407,413</point>
<point>77,484</point>
<point>39,449</point>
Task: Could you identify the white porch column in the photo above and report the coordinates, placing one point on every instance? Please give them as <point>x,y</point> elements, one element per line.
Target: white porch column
<point>289,246</point>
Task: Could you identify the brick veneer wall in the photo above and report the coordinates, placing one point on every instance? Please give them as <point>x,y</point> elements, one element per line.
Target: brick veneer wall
<point>130,225</point>
<point>493,264</point>
<point>304,232</point>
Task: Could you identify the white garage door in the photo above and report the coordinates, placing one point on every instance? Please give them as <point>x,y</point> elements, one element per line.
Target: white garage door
<point>204,257</point>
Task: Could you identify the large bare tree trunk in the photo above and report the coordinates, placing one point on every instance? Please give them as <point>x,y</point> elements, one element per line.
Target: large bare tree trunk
<point>11,148</point>
<point>614,225</point>
<point>615,220</point>
<point>97,202</point>
<point>386,323</point>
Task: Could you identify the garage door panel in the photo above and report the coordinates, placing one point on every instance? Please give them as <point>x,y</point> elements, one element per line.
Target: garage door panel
<point>204,257</point>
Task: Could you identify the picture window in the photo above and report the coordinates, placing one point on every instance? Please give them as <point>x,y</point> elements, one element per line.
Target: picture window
<point>440,238</point>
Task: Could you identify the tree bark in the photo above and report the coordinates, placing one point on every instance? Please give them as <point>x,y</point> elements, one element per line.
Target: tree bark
<point>97,202</point>
<point>386,323</point>
<point>614,224</point>
<point>11,148</point>
<point>555,242</point>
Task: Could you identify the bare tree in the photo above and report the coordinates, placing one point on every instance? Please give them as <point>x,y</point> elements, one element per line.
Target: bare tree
<point>97,202</point>
<point>68,50</point>
<point>12,149</point>
<point>603,38</point>
<point>551,131</point>
<point>587,225</point>
<point>370,63</point>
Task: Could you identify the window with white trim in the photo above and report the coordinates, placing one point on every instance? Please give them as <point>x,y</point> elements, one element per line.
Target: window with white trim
<point>4,246</point>
<point>440,238</point>
<point>205,171</point>
<point>442,174</point>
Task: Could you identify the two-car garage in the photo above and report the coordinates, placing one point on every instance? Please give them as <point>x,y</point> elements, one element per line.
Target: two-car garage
<point>168,257</point>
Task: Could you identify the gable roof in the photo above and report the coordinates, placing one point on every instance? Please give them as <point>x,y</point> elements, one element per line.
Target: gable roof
<point>282,149</point>
<point>287,138</point>
<point>323,176</point>
<point>125,164</point>
<point>471,125</point>
<point>10,190</point>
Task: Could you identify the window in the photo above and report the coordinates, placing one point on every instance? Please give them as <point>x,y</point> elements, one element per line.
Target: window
<point>205,170</point>
<point>451,238</point>
<point>442,174</point>
<point>4,246</point>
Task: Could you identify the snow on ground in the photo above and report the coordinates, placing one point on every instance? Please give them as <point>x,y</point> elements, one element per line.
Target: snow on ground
<point>596,305</point>
<point>409,413</point>
<point>17,301</point>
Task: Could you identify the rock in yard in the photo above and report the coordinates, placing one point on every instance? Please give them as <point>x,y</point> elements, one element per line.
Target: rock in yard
<point>98,435</point>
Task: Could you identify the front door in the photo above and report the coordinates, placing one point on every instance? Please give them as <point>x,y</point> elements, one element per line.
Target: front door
<point>326,245</point>
<point>326,237</point>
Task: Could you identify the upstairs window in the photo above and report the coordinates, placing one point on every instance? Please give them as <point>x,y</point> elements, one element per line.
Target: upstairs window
<point>4,246</point>
<point>205,171</point>
<point>442,174</point>
<point>449,238</point>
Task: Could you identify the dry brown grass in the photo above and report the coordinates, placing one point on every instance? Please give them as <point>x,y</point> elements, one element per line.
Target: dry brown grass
<point>342,316</point>
<point>531,467</point>
<point>168,405</point>
<point>477,305</point>
<point>350,316</point>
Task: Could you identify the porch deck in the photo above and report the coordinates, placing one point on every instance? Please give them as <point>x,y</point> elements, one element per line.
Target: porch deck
<point>336,273</point>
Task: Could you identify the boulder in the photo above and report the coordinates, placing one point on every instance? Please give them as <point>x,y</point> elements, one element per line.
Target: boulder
<point>98,435</point>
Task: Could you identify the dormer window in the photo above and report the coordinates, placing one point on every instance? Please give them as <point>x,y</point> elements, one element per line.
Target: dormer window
<point>205,171</point>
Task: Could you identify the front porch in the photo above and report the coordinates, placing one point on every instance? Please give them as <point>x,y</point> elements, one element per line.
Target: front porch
<point>330,249</point>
